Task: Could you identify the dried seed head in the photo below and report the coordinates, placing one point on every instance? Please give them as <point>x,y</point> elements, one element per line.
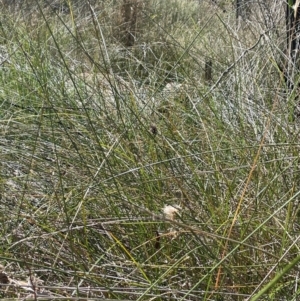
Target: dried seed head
<point>153,129</point>
<point>157,241</point>
<point>170,211</point>
<point>3,278</point>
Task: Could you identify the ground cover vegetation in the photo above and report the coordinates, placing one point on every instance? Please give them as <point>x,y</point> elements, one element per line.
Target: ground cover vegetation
<point>149,151</point>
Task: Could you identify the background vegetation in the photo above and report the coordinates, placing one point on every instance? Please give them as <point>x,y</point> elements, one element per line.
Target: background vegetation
<point>110,111</point>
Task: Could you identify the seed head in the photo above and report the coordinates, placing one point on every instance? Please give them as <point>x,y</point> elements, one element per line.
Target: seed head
<point>170,211</point>
<point>153,129</point>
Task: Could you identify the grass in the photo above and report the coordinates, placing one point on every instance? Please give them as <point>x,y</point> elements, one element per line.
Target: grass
<point>98,136</point>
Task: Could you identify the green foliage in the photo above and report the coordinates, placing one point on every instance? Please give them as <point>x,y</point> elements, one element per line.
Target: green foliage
<point>98,137</point>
